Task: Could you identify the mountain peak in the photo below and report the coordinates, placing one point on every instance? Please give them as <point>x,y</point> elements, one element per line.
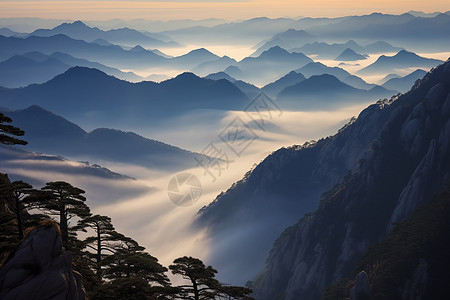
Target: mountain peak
<point>138,48</point>
<point>275,51</point>
<point>76,25</point>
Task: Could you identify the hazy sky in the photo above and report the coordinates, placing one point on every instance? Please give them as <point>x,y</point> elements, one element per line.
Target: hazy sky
<point>201,9</point>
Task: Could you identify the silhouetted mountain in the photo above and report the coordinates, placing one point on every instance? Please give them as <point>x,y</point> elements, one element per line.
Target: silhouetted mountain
<point>272,89</point>
<point>403,84</point>
<point>325,92</point>
<point>123,36</point>
<point>422,14</point>
<point>8,32</point>
<point>387,77</point>
<point>52,134</point>
<point>247,88</point>
<point>112,55</point>
<point>318,68</point>
<point>406,161</point>
<point>13,158</point>
<point>403,59</point>
<point>380,47</point>
<point>350,55</point>
<point>325,50</point>
<point>194,58</point>
<point>329,51</point>
<point>287,40</point>
<point>102,42</point>
<point>109,55</point>
<point>220,75</point>
<point>271,65</point>
<point>89,94</point>
<point>214,66</point>
<point>415,29</point>
<point>20,71</point>
<point>35,67</point>
<point>234,71</point>
<point>253,31</point>
<point>393,161</point>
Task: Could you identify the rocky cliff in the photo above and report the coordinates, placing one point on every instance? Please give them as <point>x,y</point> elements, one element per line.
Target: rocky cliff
<point>244,221</point>
<point>407,162</point>
<point>40,269</point>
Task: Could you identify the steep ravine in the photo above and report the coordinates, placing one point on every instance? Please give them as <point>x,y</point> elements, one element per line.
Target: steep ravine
<point>408,162</point>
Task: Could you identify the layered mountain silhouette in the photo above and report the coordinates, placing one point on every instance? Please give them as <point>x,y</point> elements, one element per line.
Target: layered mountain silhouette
<point>403,59</point>
<point>122,36</point>
<point>331,51</point>
<point>35,67</point>
<point>111,55</point>
<point>247,88</point>
<point>326,92</point>
<point>287,40</point>
<point>350,55</point>
<point>272,89</point>
<point>403,84</point>
<point>13,158</point>
<point>20,70</point>
<point>214,66</point>
<point>403,166</point>
<point>52,134</point>
<point>271,65</point>
<point>86,95</point>
<point>382,165</point>
<point>318,68</point>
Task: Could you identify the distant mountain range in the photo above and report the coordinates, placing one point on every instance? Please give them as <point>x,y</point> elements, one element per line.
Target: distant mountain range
<point>122,36</point>
<point>318,68</point>
<point>271,65</point>
<point>83,95</point>
<point>247,88</point>
<point>403,165</point>
<point>401,60</point>
<point>35,67</point>
<point>326,92</point>
<point>274,88</point>
<point>287,40</point>
<point>52,134</point>
<point>404,84</point>
<point>375,171</point>
<point>13,158</point>
<point>331,51</point>
<point>350,55</point>
<point>136,58</point>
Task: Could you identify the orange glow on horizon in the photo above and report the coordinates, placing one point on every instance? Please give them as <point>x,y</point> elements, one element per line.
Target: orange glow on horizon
<point>230,10</point>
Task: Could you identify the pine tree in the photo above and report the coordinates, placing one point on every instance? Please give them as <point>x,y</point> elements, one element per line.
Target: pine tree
<point>135,274</point>
<point>104,240</point>
<point>66,201</point>
<point>7,130</point>
<point>203,284</point>
<point>19,191</point>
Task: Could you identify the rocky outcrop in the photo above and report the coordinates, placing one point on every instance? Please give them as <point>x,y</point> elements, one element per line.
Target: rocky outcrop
<point>407,164</point>
<point>40,269</point>
<point>361,289</point>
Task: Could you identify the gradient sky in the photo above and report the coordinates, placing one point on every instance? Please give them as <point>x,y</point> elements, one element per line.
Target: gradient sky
<point>201,9</point>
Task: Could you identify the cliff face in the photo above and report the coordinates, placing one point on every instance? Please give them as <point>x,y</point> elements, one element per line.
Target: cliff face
<point>407,163</point>
<point>282,188</point>
<point>40,269</point>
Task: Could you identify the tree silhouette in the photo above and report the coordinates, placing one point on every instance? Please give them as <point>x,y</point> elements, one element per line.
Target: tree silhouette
<point>203,284</point>
<point>135,274</point>
<point>105,239</point>
<point>66,201</point>
<point>19,191</point>
<point>7,130</point>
